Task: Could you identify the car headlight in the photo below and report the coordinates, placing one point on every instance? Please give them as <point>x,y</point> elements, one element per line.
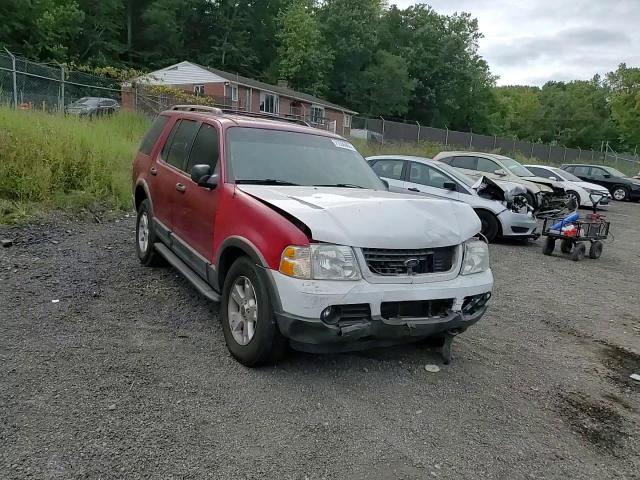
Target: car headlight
<point>320,262</point>
<point>545,188</point>
<point>476,257</point>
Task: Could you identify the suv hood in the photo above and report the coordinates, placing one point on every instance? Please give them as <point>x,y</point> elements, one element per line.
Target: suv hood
<point>371,218</point>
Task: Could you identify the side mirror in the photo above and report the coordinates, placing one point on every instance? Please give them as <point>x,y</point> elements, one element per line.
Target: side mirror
<point>607,175</point>
<point>386,184</point>
<point>500,172</point>
<point>450,186</point>
<point>553,178</point>
<point>201,175</point>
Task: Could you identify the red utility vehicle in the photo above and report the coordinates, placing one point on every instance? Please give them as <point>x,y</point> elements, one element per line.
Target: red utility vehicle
<point>292,231</point>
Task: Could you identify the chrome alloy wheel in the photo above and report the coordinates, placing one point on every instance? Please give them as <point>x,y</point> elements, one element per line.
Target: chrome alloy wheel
<point>143,232</point>
<point>242,311</point>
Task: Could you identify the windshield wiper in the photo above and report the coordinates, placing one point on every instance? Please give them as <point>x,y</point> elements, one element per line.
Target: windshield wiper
<point>264,181</point>
<point>342,185</point>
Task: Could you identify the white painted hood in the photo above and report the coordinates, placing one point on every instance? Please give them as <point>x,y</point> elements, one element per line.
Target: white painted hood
<point>371,218</point>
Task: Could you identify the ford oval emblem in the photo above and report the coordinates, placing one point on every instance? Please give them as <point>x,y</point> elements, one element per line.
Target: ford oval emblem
<point>411,264</point>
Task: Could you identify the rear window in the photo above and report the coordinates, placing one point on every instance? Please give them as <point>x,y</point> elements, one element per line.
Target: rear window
<point>151,137</point>
<point>465,162</point>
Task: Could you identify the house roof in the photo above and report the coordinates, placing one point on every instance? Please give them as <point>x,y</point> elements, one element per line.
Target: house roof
<point>287,92</point>
<point>189,72</point>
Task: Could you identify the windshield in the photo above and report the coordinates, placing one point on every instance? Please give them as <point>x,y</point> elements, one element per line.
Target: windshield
<point>458,175</point>
<point>262,156</point>
<point>565,175</point>
<point>86,101</point>
<point>515,167</point>
<point>614,172</point>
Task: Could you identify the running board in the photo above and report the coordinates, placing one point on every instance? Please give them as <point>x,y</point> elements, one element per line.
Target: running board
<point>202,286</point>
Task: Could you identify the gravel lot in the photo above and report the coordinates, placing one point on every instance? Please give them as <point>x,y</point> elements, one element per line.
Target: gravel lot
<point>127,375</point>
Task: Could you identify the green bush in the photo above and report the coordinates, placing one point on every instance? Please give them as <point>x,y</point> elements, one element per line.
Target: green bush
<point>56,161</point>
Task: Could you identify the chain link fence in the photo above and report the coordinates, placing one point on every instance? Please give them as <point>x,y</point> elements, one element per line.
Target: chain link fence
<point>29,85</point>
<point>378,130</point>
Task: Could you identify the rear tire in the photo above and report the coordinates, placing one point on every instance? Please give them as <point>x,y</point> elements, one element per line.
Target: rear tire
<point>566,246</point>
<point>490,225</point>
<point>549,245</point>
<point>146,237</point>
<point>596,249</point>
<point>578,252</point>
<point>250,328</point>
<point>620,194</point>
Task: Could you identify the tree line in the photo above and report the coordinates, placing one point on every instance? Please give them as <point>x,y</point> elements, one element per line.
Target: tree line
<point>376,58</point>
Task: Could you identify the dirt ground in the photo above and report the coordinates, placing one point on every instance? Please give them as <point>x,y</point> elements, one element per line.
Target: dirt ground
<point>112,370</point>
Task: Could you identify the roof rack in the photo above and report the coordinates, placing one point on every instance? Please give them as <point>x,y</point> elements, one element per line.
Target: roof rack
<point>267,116</point>
<point>197,108</point>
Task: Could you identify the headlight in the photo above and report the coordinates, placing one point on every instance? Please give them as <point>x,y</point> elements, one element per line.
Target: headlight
<point>320,262</point>
<point>545,188</point>
<point>476,257</point>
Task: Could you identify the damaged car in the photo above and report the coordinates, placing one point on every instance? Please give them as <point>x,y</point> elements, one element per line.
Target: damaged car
<point>545,196</point>
<point>289,229</point>
<point>502,209</point>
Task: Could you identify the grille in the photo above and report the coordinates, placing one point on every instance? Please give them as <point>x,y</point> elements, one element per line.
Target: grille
<point>355,311</point>
<point>416,309</point>
<point>392,262</point>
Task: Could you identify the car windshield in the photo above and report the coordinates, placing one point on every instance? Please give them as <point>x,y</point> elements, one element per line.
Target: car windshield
<point>563,174</point>
<point>273,157</point>
<point>614,172</point>
<point>515,167</point>
<point>87,101</point>
<point>458,175</point>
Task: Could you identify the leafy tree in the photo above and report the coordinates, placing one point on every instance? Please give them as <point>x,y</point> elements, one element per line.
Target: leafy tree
<point>350,28</point>
<point>40,29</point>
<point>624,84</point>
<point>386,87</point>
<point>303,58</point>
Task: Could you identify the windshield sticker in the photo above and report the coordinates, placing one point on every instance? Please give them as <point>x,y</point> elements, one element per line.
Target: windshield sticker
<point>343,144</point>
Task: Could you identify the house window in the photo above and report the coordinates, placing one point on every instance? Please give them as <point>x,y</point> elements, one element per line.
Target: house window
<point>317,114</point>
<point>269,103</point>
<point>346,122</point>
<point>198,90</point>
<point>231,92</point>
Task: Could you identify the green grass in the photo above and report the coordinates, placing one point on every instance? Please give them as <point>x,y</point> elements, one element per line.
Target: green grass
<point>50,161</point>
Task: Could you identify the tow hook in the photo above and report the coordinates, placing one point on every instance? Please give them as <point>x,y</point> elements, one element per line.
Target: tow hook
<point>445,350</point>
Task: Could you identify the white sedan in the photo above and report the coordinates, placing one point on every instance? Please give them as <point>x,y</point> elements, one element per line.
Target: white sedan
<point>574,186</point>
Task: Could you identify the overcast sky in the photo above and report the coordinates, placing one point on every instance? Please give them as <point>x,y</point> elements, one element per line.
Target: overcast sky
<point>533,41</point>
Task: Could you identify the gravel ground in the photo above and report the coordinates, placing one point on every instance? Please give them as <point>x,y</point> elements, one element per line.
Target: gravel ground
<point>127,375</point>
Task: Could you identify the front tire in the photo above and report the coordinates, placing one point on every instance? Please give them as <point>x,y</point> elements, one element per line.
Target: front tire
<point>490,225</point>
<point>578,252</point>
<point>549,245</point>
<point>620,194</point>
<point>574,198</point>
<point>250,329</point>
<point>146,237</point>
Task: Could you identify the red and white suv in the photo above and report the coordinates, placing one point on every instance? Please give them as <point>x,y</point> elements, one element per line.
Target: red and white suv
<point>290,229</point>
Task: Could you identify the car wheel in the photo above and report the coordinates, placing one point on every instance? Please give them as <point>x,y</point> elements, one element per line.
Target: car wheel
<point>620,194</point>
<point>490,226</point>
<point>549,245</point>
<point>146,237</point>
<point>574,198</point>
<point>596,249</point>
<point>566,246</point>
<point>578,252</point>
<point>530,199</point>
<point>250,329</point>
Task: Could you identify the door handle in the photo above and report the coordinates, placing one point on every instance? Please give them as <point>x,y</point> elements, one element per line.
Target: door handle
<point>413,189</point>
<point>153,171</point>
<point>180,187</point>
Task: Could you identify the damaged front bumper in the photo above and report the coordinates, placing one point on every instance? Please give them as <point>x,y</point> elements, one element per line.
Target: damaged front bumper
<point>366,315</point>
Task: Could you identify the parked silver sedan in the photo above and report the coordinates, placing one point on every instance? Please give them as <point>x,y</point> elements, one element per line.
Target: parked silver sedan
<point>500,213</point>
